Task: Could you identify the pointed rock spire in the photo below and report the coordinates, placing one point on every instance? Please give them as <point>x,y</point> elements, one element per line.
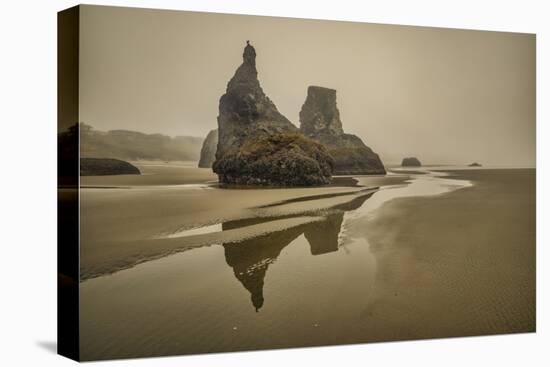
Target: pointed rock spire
<point>249,55</point>
<point>246,76</point>
<point>244,106</point>
<point>256,143</point>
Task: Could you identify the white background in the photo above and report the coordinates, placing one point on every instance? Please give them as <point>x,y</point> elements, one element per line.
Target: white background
<point>28,182</point>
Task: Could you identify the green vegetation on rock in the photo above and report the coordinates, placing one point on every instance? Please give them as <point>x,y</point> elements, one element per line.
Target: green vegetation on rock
<point>287,159</point>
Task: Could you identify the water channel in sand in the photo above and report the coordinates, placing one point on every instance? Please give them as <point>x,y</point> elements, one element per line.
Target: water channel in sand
<point>304,285</point>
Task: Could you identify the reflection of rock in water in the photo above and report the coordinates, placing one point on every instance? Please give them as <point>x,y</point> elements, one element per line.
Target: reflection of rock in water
<point>354,204</point>
<point>323,236</point>
<point>251,258</point>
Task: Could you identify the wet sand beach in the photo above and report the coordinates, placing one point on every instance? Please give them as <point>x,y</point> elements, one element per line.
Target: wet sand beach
<point>417,255</point>
<point>458,264</point>
<point>154,173</point>
<point>129,224</point>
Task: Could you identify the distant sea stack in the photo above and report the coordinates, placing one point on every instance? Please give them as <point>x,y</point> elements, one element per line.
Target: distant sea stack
<point>106,167</point>
<point>411,162</point>
<point>320,120</point>
<point>208,150</point>
<point>475,164</point>
<point>257,145</point>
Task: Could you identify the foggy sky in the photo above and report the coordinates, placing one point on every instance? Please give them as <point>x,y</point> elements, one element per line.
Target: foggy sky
<point>446,96</point>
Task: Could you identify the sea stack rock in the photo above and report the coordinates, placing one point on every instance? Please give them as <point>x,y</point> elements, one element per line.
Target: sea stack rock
<point>411,162</point>
<point>208,150</point>
<point>320,120</point>
<point>257,145</point>
<point>106,167</point>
